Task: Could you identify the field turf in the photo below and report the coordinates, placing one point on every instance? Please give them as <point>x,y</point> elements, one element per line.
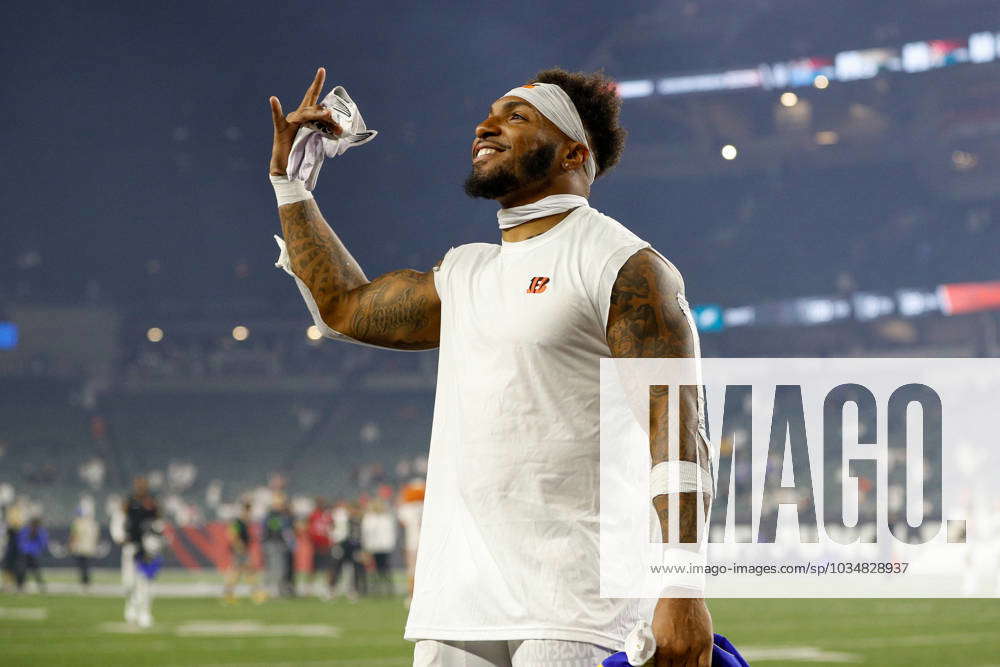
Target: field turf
<point>78,630</point>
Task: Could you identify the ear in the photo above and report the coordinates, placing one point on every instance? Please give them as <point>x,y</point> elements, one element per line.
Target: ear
<point>575,156</point>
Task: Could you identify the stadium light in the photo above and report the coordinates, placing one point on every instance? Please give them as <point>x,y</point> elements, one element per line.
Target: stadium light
<point>631,89</point>
<point>789,99</point>
<point>963,160</point>
<point>154,334</point>
<point>729,152</point>
<point>240,332</point>
<point>312,333</point>
<point>853,65</point>
<point>827,138</point>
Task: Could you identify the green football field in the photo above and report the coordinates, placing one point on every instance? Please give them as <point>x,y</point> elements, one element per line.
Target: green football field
<point>77,630</point>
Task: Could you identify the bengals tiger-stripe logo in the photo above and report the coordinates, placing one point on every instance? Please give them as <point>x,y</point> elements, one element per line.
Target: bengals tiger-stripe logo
<point>538,285</point>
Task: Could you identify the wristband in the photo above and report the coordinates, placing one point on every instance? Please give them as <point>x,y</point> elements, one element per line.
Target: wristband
<point>289,191</point>
<point>669,477</point>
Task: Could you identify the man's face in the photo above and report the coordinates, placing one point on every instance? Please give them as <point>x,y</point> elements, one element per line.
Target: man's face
<point>514,149</point>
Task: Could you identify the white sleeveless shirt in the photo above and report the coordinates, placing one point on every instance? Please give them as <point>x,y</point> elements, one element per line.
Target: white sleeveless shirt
<point>510,536</point>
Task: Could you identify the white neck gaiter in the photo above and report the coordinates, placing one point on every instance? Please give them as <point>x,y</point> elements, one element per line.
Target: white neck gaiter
<point>512,217</point>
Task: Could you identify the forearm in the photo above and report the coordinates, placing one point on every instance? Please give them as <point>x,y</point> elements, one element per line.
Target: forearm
<point>691,448</point>
<point>682,625</point>
<point>646,318</point>
<point>318,257</point>
<point>687,517</point>
<point>399,310</point>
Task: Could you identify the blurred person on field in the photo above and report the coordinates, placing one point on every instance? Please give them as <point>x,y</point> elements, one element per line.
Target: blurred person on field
<point>348,559</point>
<point>300,534</point>
<point>242,568</point>
<point>140,529</point>
<point>378,538</point>
<point>339,520</point>
<point>32,541</point>
<point>278,541</point>
<point>320,525</point>
<point>84,534</point>
<point>11,564</point>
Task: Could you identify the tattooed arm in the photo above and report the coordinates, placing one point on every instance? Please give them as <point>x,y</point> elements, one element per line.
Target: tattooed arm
<point>400,309</point>
<point>645,320</point>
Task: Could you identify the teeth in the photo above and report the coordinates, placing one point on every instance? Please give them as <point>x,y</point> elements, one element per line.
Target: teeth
<point>485,151</point>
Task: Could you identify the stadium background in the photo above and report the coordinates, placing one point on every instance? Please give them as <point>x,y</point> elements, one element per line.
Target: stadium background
<point>825,175</point>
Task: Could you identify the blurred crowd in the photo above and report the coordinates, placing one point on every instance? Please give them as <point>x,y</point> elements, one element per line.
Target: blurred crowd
<point>276,543</point>
<point>25,543</point>
<point>345,548</point>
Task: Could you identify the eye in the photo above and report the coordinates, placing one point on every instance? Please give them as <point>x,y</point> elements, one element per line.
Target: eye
<point>517,115</point>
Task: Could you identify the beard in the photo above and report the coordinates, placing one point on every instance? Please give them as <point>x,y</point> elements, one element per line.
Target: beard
<point>503,180</point>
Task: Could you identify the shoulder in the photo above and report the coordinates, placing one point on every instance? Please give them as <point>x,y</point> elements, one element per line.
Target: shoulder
<point>643,258</point>
<point>474,249</point>
<point>647,266</point>
<point>466,254</point>
<point>606,244</point>
<point>649,316</point>
<point>603,228</point>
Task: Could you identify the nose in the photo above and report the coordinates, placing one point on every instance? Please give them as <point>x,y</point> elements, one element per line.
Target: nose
<point>487,128</point>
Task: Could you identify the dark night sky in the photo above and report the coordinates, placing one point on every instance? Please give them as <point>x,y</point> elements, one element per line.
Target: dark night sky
<point>139,131</point>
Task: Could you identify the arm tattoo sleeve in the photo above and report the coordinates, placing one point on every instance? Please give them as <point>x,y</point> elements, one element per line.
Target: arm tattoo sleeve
<point>646,320</point>
<point>399,309</point>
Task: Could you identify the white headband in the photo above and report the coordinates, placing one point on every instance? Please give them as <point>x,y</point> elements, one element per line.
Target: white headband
<point>553,103</point>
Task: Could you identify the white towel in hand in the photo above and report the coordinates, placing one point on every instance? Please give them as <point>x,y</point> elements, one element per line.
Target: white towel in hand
<point>313,142</point>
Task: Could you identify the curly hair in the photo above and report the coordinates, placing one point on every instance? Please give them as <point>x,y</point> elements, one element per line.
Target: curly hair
<point>598,104</point>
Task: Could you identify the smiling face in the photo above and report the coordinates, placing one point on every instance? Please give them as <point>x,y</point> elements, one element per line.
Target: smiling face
<point>514,152</point>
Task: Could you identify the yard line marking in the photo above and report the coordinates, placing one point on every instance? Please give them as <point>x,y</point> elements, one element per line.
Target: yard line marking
<point>24,613</point>
<point>228,629</point>
<point>121,628</point>
<point>922,640</point>
<point>253,629</point>
<point>795,654</point>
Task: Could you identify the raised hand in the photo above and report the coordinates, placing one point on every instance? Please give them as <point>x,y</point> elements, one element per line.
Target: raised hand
<point>285,127</point>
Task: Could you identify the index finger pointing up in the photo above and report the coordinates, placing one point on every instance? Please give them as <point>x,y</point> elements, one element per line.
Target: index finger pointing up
<point>312,94</point>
